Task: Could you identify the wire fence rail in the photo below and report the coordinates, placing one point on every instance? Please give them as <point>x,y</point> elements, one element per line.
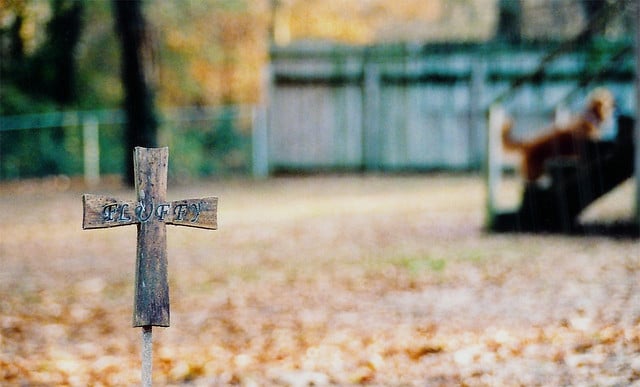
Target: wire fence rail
<point>204,140</point>
<point>60,119</point>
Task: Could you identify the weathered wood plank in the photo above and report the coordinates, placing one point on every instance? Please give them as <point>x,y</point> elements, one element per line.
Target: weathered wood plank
<point>200,213</point>
<point>101,211</point>
<point>151,300</point>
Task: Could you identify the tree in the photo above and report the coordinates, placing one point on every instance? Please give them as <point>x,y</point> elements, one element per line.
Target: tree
<point>593,10</point>
<point>49,73</point>
<point>40,79</point>
<point>142,124</point>
<point>509,21</point>
<point>64,31</point>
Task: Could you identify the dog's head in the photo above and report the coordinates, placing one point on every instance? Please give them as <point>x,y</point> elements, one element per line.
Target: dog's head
<point>601,104</point>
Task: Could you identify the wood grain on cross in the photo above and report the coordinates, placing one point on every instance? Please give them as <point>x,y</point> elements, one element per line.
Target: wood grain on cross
<point>151,212</point>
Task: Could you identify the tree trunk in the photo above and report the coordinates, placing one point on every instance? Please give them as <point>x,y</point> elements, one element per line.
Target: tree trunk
<point>509,27</point>
<point>141,127</point>
<point>64,30</point>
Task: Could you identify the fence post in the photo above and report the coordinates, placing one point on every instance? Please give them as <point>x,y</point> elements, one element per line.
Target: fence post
<point>494,160</point>
<point>637,117</point>
<point>476,92</point>
<point>260,142</point>
<point>91,143</point>
<point>371,146</point>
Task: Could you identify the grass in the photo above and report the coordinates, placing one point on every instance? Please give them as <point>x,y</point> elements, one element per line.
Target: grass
<point>416,265</point>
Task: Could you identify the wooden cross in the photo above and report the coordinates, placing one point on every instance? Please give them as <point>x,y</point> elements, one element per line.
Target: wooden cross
<point>151,212</point>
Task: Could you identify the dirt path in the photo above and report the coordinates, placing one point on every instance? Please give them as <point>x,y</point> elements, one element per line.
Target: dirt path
<point>318,281</point>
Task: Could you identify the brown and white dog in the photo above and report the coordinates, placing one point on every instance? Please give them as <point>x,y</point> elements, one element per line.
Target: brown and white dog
<point>562,140</point>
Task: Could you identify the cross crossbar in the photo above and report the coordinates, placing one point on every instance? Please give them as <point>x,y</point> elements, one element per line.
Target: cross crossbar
<point>105,211</point>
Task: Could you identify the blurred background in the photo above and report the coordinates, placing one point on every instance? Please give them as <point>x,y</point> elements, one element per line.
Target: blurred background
<point>374,276</point>
<point>256,87</point>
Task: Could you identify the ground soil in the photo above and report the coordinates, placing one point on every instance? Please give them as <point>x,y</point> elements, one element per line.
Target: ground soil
<point>330,280</point>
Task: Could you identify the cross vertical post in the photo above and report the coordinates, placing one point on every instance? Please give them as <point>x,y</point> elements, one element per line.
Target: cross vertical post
<point>151,301</point>
<point>151,212</point>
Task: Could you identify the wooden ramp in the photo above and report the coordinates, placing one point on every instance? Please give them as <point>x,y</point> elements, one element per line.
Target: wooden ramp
<point>574,186</point>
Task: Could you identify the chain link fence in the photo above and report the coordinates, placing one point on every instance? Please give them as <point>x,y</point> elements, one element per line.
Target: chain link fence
<point>204,141</point>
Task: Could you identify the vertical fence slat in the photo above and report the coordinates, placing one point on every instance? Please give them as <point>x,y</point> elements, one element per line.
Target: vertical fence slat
<point>476,112</point>
<point>371,136</point>
<point>260,140</point>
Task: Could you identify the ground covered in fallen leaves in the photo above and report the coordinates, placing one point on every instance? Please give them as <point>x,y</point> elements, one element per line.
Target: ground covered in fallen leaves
<point>342,280</point>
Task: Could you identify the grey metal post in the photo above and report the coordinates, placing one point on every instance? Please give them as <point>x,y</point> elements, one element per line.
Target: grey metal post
<point>147,356</point>
<point>91,144</point>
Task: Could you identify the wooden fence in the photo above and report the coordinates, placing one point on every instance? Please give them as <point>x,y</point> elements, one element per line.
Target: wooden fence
<point>422,107</point>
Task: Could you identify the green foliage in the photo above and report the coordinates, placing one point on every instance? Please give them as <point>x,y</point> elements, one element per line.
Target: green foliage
<point>418,264</point>
<point>41,81</point>
<point>216,147</point>
<point>111,149</point>
<point>98,60</point>
<point>30,156</point>
<point>15,101</point>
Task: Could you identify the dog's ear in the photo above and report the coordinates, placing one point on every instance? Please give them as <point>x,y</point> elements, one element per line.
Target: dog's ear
<point>601,103</point>
<point>597,107</point>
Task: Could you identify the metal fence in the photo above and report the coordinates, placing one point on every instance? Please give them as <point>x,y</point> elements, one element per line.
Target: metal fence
<point>403,107</point>
<point>204,141</point>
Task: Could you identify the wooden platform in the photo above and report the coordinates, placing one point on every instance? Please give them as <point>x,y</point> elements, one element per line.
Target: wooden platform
<point>574,186</point>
